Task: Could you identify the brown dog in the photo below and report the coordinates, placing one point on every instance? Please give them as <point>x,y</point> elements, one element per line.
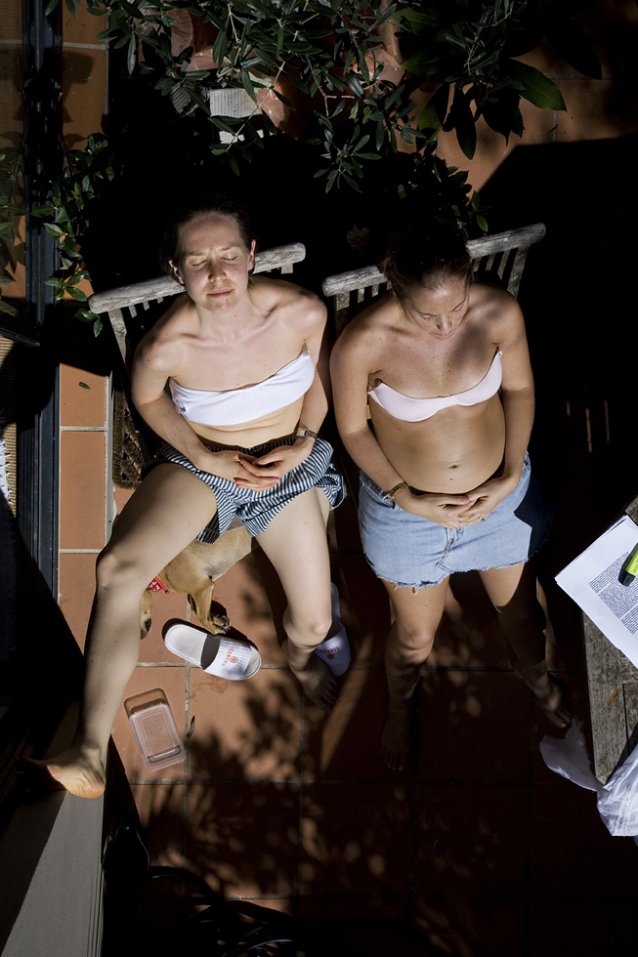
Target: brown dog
<point>194,572</point>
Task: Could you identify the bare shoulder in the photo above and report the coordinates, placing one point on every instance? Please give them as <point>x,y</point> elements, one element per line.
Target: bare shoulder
<point>290,302</point>
<point>159,350</point>
<point>498,312</point>
<point>370,332</point>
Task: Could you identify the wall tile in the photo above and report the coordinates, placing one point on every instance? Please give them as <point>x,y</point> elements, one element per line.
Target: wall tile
<point>76,588</point>
<point>84,94</point>
<point>82,27</point>
<point>82,489</point>
<point>83,398</point>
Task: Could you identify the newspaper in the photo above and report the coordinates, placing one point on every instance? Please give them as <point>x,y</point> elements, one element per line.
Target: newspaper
<point>592,580</point>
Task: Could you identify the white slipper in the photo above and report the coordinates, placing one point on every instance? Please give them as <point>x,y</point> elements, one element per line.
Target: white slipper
<point>218,655</point>
<point>335,649</point>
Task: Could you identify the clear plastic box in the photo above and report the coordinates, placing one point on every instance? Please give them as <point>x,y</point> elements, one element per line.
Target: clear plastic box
<point>154,729</point>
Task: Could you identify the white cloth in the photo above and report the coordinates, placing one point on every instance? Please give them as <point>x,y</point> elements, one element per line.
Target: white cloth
<point>617,799</point>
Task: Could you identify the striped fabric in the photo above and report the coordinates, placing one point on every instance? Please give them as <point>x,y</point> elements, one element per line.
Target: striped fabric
<point>257,509</point>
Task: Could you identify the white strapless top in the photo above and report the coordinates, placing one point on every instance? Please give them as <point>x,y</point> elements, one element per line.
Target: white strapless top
<point>236,406</point>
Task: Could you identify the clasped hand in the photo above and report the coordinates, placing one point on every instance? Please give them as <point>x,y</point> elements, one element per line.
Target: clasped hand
<point>258,473</point>
<point>458,510</point>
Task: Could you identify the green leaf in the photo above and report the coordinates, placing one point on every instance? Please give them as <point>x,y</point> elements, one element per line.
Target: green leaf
<point>420,65</point>
<point>131,57</point>
<point>535,86</point>
<point>53,230</point>
<point>433,113</point>
<point>77,294</point>
<point>460,119</point>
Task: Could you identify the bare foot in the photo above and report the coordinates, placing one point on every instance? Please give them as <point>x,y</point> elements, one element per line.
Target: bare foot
<point>79,771</point>
<point>552,697</point>
<point>395,739</point>
<point>317,681</point>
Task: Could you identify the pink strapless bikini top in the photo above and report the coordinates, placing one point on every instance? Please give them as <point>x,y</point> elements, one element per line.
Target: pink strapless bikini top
<point>410,409</point>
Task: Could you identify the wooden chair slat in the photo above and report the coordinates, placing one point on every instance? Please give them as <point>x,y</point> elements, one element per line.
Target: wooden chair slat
<point>503,254</point>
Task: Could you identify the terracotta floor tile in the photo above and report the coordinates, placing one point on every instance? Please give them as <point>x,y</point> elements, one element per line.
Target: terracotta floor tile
<point>171,681</point>
<point>249,598</point>
<point>345,744</point>
<point>357,839</point>
<point>243,838</point>
<point>163,607</point>
<point>477,925</point>
<point>473,727</point>
<point>471,838</point>
<point>345,917</point>
<point>571,851</point>
<point>468,636</point>
<point>563,924</point>
<point>245,730</point>
<point>366,610</point>
<point>341,929</point>
<point>283,905</point>
<point>161,811</point>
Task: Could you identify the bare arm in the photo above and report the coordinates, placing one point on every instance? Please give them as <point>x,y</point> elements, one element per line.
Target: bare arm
<point>517,397</point>
<point>350,367</point>
<point>153,363</point>
<point>316,400</point>
<point>517,394</point>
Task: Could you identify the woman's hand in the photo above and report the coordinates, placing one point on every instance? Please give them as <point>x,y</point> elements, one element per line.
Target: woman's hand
<point>484,498</point>
<point>247,471</point>
<point>282,459</point>
<point>446,510</point>
<point>236,467</point>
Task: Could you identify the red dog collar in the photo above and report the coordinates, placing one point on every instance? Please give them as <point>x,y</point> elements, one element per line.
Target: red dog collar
<point>158,585</point>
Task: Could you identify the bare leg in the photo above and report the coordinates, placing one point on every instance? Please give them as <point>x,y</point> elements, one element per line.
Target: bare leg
<point>512,591</point>
<point>163,516</point>
<point>416,617</point>
<point>296,544</point>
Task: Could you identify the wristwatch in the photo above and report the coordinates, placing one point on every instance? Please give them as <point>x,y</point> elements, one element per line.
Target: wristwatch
<point>391,492</point>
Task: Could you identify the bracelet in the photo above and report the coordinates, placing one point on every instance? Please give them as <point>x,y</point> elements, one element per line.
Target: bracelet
<point>302,432</point>
<point>391,493</point>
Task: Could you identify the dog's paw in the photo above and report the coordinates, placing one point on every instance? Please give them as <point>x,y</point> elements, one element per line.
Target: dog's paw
<point>217,619</point>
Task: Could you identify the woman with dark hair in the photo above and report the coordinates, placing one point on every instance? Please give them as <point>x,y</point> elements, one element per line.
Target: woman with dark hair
<point>434,399</point>
<point>234,379</point>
